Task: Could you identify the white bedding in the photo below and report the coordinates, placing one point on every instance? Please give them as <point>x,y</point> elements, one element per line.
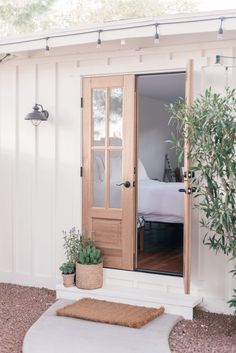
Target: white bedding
<point>160,202</point>
<point>157,201</point>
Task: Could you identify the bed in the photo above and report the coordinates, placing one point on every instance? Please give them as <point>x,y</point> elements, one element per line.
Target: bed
<point>157,201</point>
<point>160,202</point>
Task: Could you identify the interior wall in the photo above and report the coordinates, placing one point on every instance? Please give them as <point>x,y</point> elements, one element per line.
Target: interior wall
<point>153,132</point>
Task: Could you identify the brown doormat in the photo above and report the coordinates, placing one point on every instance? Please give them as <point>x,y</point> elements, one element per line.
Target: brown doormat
<point>110,312</point>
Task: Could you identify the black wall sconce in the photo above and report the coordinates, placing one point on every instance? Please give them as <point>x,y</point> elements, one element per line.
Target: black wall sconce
<point>38,115</point>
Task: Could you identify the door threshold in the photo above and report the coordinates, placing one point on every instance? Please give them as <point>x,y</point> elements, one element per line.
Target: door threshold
<point>173,274</point>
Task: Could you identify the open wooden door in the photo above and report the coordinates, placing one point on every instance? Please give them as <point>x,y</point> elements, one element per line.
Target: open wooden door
<point>187,186</point>
<point>109,133</point>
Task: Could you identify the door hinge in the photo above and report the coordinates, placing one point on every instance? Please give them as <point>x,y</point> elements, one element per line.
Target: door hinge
<point>134,170</point>
<point>81,172</point>
<point>189,174</point>
<point>81,102</point>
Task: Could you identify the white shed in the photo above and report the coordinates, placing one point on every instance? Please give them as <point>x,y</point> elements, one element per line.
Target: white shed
<point>125,85</point>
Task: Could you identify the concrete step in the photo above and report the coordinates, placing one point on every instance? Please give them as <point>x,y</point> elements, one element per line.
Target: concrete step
<point>174,303</point>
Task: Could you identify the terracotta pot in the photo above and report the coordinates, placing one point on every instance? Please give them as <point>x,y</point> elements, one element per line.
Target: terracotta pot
<point>68,280</point>
<point>89,276</point>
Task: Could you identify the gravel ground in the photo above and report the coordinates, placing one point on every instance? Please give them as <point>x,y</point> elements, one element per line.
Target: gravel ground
<point>20,307</point>
<point>206,333</point>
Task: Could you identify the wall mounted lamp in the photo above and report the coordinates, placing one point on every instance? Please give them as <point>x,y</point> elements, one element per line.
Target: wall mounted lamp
<point>38,115</point>
<point>219,62</point>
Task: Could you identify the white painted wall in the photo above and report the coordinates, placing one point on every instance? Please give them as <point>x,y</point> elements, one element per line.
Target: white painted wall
<point>153,132</point>
<point>40,186</point>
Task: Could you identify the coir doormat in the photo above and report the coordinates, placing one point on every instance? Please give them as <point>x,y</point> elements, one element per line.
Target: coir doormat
<point>110,313</point>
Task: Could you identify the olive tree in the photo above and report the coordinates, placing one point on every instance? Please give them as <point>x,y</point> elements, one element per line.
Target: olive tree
<point>209,126</point>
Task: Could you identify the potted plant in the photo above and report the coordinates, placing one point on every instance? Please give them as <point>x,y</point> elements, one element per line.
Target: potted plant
<point>72,244</point>
<point>89,268</point>
<point>68,274</point>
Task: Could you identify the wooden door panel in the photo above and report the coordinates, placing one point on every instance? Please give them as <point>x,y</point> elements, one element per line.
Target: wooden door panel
<point>112,259</point>
<point>107,233</point>
<point>187,184</point>
<point>109,159</point>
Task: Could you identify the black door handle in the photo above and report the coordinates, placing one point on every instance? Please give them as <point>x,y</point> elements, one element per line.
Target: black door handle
<point>126,184</point>
<point>189,190</point>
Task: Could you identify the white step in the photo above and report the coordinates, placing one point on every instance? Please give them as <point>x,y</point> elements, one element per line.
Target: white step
<point>174,303</point>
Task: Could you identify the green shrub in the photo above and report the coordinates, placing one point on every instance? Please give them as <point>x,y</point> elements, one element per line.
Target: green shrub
<point>89,254</point>
<point>209,126</point>
<point>72,245</point>
<point>232,301</point>
<point>67,268</point>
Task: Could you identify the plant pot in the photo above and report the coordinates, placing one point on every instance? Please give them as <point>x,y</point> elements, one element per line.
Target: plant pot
<point>89,276</point>
<point>68,280</point>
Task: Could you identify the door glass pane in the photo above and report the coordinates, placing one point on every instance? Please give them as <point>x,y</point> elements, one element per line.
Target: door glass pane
<point>99,116</point>
<point>98,179</point>
<point>115,116</point>
<point>115,178</point>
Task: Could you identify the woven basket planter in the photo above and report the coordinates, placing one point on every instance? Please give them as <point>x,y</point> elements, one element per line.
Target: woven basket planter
<point>89,276</point>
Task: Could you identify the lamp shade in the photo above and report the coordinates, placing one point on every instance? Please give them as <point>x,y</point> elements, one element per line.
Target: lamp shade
<point>37,115</point>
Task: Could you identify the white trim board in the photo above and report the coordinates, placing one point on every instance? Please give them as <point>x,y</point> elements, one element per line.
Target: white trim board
<point>139,288</point>
<point>178,304</point>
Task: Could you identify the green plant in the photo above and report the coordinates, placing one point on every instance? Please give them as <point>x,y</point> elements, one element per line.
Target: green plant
<point>209,126</point>
<point>72,245</point>
<point>232,301</point>
<point>67,268</point>
<point>89,253</point>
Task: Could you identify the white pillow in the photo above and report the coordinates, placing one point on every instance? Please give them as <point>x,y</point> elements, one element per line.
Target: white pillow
<point>100,168</point>
<point>142,174</point>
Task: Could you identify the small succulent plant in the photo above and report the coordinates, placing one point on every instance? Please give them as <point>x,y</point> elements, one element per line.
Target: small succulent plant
<point>89,254</point>
<point>67,268</point>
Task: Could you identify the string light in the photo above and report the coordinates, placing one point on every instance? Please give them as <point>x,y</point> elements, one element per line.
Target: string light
<point>99,41</point>
<point>156,37</point>
<point>220,31</point>
<point>47,49</point>
<point>218,60</point>
<point>128,27</point>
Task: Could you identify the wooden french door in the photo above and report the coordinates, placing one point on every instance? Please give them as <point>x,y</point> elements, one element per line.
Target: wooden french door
<point>109,145</point>
<point>187,186</point>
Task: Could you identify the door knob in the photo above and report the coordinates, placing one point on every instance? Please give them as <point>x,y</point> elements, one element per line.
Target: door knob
<point>126,184</point>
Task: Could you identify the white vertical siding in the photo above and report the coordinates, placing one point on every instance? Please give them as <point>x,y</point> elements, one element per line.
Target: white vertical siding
<point>7,163</point>
<point>40,184</point>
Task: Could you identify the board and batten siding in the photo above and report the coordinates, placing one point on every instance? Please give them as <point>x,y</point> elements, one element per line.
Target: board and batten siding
<point>40,184</point>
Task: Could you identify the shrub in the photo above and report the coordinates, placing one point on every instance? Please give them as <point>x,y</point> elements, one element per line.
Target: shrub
<point>209,126</point>
<point>72,245</point>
